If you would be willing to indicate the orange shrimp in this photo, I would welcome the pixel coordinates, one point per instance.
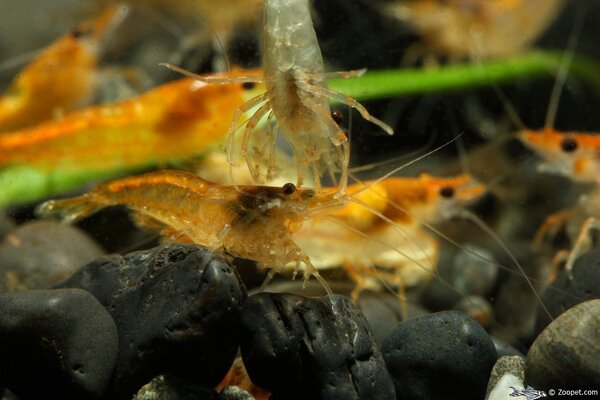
(383, 225)
(252, 222)
(173, 121)
(477, 29)
(296, 103)
(574, 155)
(62, 78)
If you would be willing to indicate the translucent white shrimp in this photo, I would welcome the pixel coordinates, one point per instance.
(297, 97)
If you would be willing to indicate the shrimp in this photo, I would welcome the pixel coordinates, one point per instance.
(296, 103)
(383, 225)
(174, 121)
(477, 29)
(252, 222)
(574, 155)
(62, 78)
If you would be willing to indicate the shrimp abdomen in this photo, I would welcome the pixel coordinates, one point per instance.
(289, 39)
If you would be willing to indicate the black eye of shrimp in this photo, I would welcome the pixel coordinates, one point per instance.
(447, 192)
(289, 188)
(80, 32)
(248, 85)
(337, 116)
(569, 145)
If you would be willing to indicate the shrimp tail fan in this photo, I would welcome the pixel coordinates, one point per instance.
(69, 210)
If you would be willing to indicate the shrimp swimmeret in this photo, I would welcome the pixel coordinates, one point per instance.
(296, 103)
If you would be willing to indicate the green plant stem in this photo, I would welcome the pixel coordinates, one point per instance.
(401, 82)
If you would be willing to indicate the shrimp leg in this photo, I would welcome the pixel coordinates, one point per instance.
(583, 243)
(213, 79)
(350, 102)
(271, 142)
(250, 125)
(255, 101)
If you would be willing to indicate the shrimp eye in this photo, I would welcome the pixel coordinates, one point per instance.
(248, 85)
(337, 116)
(76, 33)
(80, 32)
(447, 192)
(568, 145)
(289, 188)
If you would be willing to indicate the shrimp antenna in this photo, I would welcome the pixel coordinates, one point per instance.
(513, 115)
(221, 56)
(411, 154)
(172, 28)
(472, 217)
(460, 144)
(563, 70)
(401, 167)
(212, 78)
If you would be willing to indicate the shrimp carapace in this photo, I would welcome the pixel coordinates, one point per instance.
(296, 103)
(63, 77)
(477, 29)
(384, 224)
(252, 222)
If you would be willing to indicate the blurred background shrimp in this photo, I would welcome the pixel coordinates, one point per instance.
(63, 77)
(475, 29)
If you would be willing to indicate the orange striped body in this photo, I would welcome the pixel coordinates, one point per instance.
(176, 120)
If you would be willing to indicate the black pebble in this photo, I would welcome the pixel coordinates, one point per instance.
(59, 343)
(177, 310)
(567, 291)
(303, 348)
(446, 355)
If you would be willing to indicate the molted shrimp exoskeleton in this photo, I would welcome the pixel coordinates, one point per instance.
(296, 103)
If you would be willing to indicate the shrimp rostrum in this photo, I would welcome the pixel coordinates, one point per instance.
(296, 102)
